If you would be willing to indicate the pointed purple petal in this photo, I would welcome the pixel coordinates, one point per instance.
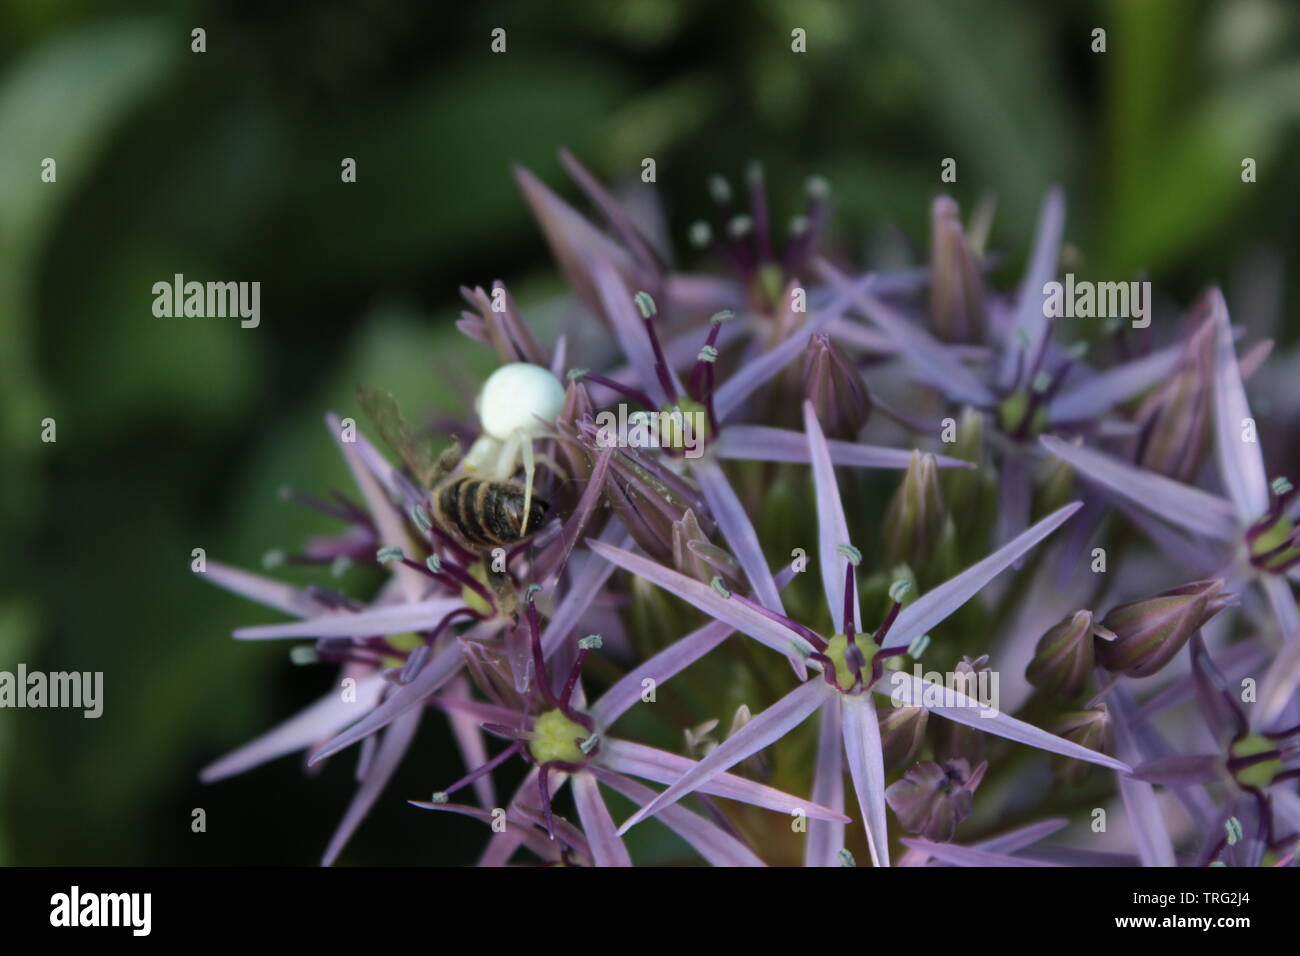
(907, 689)
(935, 605)
(832, 527)
(1030, 319)
(1163, 497)
(715, 844)
(954, 855)
(764, 443)
(1024, 836)
(933, 362)
(397, 738)
(670, 661)
(754, 374)
(305, 728)
(738, 531)
(389, 522)
(1241, 463)
(1146, 822)
(395, 619)
(763, 730)
(746, 620)
(660, 766)
(606, 847)
(1099, 394)
(263, 590)
(867, 768)
(826, 837)
(441, 668)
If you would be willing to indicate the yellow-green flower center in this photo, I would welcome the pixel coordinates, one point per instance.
(556, 737)
(837, 650)
(400, 642)
(684, 424)
(1261, 774)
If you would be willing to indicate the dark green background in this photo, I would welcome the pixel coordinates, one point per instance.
(175, 434)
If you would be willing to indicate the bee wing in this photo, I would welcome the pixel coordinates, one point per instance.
(385, 414)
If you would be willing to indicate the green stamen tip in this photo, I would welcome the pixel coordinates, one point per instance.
(531, 591)
(645, 304)
(899, 590)
(818, 187)
(1282, 486)
(433, 563)
(719, 587)
(439, 796)
(303, 654)
(389, 554)
(708, 354)
(919, 646)
(798, 225)
(421, 518)
(340, 565)
(853, 554)
(1232, 826)
(740, 226)
(1042, 382)
(800, 650)
(726, 315)
(588, 745)
(591, 642)
(577, 373)
(273, 559)
(701, 235)
(719, 189)
(846, 858)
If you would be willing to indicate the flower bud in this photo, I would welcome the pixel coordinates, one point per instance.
(1174, 420)
(958, 740)
(914, 520)
(1087, 728)
(836, 390)
(1064, 659)
(1148, 633)
(902, 731)
(696, 556)
(957, 311)
(932, 798)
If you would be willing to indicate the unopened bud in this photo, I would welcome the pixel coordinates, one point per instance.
(1174, 420)
(932, 798)
(902, 732)
(1151, 631)
(1064, 659)
(957, 311)
(914, 520)
(835, 389)
(1087, 728)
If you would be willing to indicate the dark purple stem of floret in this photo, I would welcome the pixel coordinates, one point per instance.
(661, 364)
(886, 624)
(488, 767)
(627, 391)
(808, 635)
(850, 595)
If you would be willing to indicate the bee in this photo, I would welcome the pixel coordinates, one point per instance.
(484, 513)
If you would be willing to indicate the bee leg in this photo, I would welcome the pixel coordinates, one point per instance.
(530, 469)
(447, 461)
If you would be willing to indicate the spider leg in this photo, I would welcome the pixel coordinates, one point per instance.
(530, 469)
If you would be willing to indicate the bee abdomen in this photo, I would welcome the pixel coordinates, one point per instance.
(487, 513)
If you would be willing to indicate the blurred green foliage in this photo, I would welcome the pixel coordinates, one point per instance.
(175, 434)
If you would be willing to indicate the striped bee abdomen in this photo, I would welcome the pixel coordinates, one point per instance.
(485, 513)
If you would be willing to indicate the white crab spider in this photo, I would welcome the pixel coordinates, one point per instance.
(516, 405)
